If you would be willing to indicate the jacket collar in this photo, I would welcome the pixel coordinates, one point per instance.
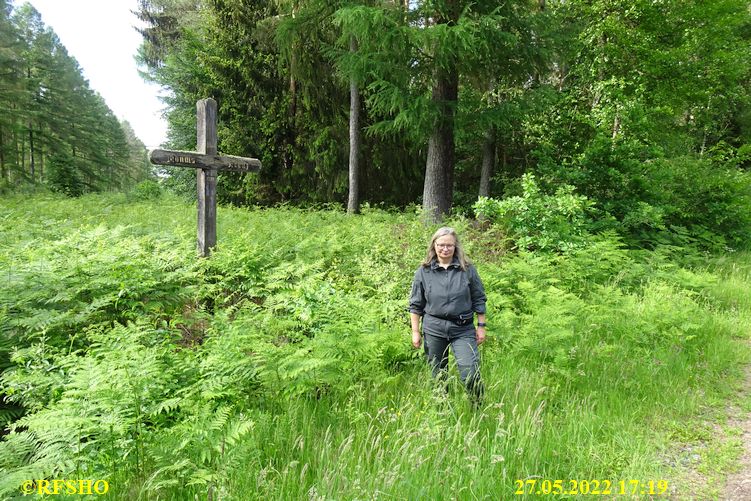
(454, 263)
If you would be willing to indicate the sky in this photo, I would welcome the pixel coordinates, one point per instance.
(100, 34)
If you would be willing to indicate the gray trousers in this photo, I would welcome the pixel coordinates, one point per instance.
(439, 335)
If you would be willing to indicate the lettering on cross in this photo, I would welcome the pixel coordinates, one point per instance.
(174, 159)
(207, 163)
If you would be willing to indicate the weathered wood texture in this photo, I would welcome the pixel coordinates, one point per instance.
(206, 134)
(199, 161)
(207, 163)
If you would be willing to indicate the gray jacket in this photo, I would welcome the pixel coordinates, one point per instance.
(446, 293)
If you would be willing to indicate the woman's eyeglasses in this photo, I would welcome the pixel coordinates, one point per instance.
(445, 246)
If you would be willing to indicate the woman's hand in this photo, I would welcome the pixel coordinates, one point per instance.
(480, 335)
(416, 339)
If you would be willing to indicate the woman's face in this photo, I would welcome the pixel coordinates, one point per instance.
(444, 247)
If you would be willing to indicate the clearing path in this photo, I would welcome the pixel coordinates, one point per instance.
(738, 487)
(703, 464)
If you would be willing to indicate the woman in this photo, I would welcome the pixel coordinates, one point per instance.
(446, 293)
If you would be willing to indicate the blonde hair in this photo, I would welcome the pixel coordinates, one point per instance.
(464, 262)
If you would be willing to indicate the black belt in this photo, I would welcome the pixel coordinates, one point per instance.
(462, 319)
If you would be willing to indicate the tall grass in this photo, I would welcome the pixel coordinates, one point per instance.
(280, 368)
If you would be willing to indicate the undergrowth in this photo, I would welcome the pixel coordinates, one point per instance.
(280, 368)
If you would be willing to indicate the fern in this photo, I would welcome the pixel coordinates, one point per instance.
(282, 365)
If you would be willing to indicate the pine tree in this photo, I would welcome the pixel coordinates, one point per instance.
(54, 128)
(11, 90)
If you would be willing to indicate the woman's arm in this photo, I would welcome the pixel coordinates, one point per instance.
(414, 318)
(477, 292)
(480, 330)
(416, 308)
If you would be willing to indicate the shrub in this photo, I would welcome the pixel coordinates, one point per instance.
(147, 190)
(652, 200)
(708, 201)
(539, 221)
(608, 172)
(64, 177)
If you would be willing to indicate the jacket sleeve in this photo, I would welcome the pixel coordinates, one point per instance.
(476, 291)
(417, 296)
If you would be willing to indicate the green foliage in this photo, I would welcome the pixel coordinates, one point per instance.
(611, 174)
(712, 202)
(653, 200)
(539, 221)
(147, 190)
(63, 176)
(548, 88)
(281, 365)
(96, 275)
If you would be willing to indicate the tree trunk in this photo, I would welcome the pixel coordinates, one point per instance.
(288, 156)
(353, 204)
(31, 153)
(17, 155)
(41, 162)
(293, 88)
(488, 162)
(438, 190)
(2, 155)
(22, 164)
(439, 169)
(293, 70)
(616, 125)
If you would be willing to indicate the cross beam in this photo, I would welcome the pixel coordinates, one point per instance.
(207, 163)
(198, 161)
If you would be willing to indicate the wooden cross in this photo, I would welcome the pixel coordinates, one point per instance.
(207, 163)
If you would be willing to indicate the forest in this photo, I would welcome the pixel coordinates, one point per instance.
(593, 155)
(438, 102)
(55, 131)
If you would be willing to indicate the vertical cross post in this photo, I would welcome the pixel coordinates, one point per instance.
(206, 180)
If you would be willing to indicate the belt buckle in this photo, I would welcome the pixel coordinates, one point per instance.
(462, 321)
